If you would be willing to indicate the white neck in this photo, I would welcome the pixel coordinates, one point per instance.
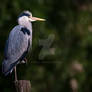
(25, 22)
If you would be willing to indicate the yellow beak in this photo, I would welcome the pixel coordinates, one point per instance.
(36, 19)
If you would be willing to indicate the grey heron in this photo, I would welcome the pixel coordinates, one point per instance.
(19, 42)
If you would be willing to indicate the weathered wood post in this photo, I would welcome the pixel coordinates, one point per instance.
(23, 86)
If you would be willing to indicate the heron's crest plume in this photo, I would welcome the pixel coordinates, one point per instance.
(25, 13)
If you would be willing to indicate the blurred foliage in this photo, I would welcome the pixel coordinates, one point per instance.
(69, 23)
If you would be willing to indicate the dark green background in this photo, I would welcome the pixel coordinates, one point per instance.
(70, 22)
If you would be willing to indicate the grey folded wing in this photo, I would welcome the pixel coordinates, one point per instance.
(16, 48)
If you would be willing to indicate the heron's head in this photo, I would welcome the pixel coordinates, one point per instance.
(26, 16)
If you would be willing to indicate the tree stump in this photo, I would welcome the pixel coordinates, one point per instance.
(23, 86)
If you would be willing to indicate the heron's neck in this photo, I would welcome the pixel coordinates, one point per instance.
(28, 25)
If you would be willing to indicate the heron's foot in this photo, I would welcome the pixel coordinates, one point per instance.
(24, 61)
(16, 81)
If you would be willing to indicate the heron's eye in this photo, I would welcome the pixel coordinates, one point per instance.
(28, 16)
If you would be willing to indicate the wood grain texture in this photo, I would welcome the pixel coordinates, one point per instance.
(23, 86)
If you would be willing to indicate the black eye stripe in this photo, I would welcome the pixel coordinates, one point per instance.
(24, 14)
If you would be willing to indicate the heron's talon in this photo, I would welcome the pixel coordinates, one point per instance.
(25, 60)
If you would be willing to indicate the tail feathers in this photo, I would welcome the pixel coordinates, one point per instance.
(7, 68)
(7, 72)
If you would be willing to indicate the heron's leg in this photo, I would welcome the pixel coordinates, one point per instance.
(15, 74)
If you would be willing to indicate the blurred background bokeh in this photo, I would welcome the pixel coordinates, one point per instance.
(65, 63)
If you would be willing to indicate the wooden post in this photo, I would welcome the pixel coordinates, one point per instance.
(23, 86)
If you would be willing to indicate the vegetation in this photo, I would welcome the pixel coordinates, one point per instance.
(65, 60)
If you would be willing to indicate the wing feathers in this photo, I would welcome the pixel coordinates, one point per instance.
(16, 48)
